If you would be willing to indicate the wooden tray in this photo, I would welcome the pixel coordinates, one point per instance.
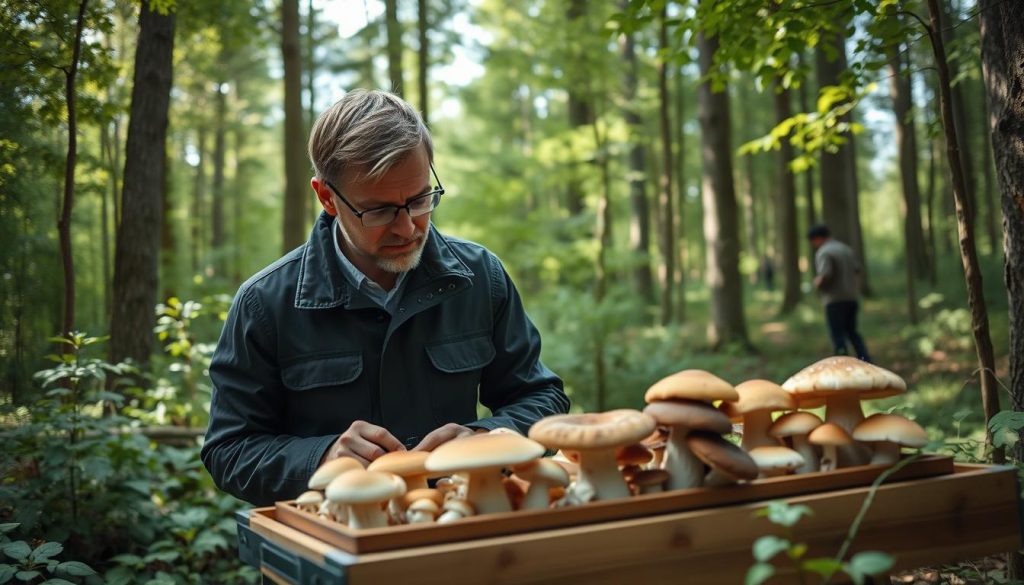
(488, 525)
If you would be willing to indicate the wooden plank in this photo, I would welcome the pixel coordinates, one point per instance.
(399, 537)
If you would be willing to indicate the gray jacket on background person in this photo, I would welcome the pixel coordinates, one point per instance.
(839, 268)
(303, 354)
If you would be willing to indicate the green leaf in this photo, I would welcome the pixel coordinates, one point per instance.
(870, 562)
(7, 573)
(758, 573)
(9, 526)
(27, 575)
(166, 556)
(56, 581)
(17, 550)
(46, 550)
(75, 569)
(127, 559)
(766, 547)
(783, 514)
(826, 567)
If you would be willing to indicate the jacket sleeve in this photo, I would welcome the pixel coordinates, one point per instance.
(517, 388)
(245, 450)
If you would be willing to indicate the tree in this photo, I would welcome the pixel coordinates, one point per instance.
(640, 222)
(666, 234)
(423, 58)
(394, 27)
(136, 256)
(296, 195)
(785, 209)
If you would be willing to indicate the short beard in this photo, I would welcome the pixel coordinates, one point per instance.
(403, 263)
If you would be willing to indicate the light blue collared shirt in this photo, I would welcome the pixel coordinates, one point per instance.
(387, 300)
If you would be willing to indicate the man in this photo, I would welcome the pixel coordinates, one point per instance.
(377, 334)
(837, 281)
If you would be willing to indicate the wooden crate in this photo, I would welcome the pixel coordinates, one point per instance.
(971, 512)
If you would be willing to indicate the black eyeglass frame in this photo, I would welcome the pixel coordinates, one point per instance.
(434, 193)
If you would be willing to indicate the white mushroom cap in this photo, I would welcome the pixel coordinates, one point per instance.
(774, 461)
(330, 470)
(455, 510)
(758, 400)
(309, 501)
(889, 432)
(830, 437)
(542, 474)
(409, 465)
(363, 491)
(691, 385)
(796, 426)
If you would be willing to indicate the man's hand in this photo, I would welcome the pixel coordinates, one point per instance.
(363, 442)
(443, 435)
(819, 281)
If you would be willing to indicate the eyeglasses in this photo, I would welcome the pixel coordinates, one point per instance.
(381, 216)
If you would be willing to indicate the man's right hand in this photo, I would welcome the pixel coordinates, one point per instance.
(363, 442)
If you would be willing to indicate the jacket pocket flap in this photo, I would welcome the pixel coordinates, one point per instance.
(463, 355)
(323, 371)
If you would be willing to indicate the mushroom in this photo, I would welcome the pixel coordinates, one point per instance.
(758, 400)
(406, 464)
(775, 460)
(683, 416)
(543, 474)
(795, 426)
(656, 442)
(481, 458)
(455, 510)
(323, 476)
(728, 462)
(363, 492)
(309, 501)
(887, 433)
(842, 382)
(515, 489)
(830, 437)
(595, 436)
(422, 511)
(650, 481)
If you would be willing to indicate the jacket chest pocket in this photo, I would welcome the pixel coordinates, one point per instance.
(326, 393)
(458, 366)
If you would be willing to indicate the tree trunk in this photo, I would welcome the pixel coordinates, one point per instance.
(811, 211)
(217, 241)
(136, 259)
(394, 46)
(105, 197)
(992, 212)
(785, 210)
(64, 223)
(906, 144)
(199, 203)
(295, 164)
(666, 235)
(1002, 52)
(956, 100)
(580, 112)
(728, 324)
(310, 69)
(680, 182)
(639, 225)
(423, 60)
(604, 244)
(965, 229)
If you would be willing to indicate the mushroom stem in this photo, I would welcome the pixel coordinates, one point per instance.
(368, 515)
(886, 453)
(843, 409)
(536, 496)
(485, 491)
(809, 453)
(685, 470)
(600, 471)
(755, 430)
(829, 458)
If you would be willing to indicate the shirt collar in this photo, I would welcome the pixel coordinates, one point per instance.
(358, 279)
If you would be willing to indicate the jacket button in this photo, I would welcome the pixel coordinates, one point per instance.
(451, 286)
(401, 309)
(430, 296)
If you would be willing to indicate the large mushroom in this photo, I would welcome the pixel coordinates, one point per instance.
(842, 382)
(323, 476)
(595, 436)
(795, 426)
(758, 400)
(363, 492)
(888, 433)
(728, 462)
(682, 417)
(481, 458)
(406, 464)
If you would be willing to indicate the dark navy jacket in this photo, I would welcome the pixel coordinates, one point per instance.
(303, 355)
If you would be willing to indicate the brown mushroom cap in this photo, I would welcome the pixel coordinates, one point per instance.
(829, 434)
(482, 451)
(776, 459)
(634, 454)
(330, 470)
(757, 396)
(891, 428)
(649, 477)
(423, 494)
(602, 430)
(794, 423)
(692, 414)
(401, 463)
(360, 486)
(691, 385)
(843, 374)
(719, 453)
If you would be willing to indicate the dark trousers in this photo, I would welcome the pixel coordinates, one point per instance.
(841, 317)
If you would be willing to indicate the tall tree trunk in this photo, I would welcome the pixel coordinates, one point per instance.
(948, 30)
(295, 163)
(666, 237)
(930, 213)
(218, 253)
(728, 324)
(965, 229)
(992, 211)
(810, 211)
(1002, 52)
(105, 197)
(680, 141)
(906, 144)
(639, 224)
(785, 209)
(423, 60)
(168, 275)
(199, 203)
(580, 110)
(136, 259)
(394, 46)
(310, 69)
(604, 244)
(64, 223)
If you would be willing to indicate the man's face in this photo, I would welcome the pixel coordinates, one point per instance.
(816, 242)
(392, 248)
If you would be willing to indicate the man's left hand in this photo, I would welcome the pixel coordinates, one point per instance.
(444, 434)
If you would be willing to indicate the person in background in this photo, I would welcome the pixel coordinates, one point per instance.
(379, 333)
(837, 281)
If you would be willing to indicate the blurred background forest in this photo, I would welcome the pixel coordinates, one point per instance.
(646, 171)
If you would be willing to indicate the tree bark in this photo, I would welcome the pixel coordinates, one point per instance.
(956, 100)
(785, 210)
(965, 229)
(217, 191)
(136, 259)
(640, 221)
(1002, 53)
(680, 182)
(423, 59)
(580, 111)
(394, 28)
(295, 164)
(666, 235)
(199, 203)
(811, 210)
(728, 324)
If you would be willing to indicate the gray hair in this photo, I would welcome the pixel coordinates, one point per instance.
(369, 131)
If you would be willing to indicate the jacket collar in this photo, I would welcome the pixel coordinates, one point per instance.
(321, 284)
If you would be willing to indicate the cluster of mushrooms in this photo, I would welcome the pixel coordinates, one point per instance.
(677, 442)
